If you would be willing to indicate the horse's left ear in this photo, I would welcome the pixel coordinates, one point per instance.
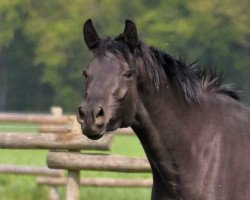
(129, 35)
(90, 35)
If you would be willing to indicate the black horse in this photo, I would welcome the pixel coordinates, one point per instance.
(194, 130)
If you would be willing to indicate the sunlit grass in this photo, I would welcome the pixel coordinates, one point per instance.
(18, 127)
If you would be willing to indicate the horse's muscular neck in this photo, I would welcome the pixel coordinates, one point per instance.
(155, 126)
(175, 136)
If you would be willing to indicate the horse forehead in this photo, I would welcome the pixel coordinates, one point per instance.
(108, 64)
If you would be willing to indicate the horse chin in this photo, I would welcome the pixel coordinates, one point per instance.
(96, 134)
(93, 134)
(95, 137)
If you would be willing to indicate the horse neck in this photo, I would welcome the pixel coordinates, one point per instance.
(161, 117)
(159, 124)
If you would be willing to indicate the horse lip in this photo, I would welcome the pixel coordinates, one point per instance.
(96, 136)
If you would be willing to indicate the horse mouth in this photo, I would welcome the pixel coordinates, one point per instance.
(96, 134)
(95, 137)
(93, 134)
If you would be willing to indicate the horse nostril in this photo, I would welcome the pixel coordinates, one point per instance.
(80, 115)
(98, 112)
(80, 111)
(98, 115)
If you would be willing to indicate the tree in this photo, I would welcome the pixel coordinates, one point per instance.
(44, 38)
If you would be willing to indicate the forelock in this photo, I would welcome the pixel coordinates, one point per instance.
(117, 48)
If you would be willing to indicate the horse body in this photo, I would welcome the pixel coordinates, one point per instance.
(198, 152)
(195, 132)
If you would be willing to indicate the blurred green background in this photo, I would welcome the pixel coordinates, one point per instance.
(42, 52)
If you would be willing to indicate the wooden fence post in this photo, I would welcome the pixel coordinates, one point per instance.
(73, 179)
(54, 193)
(56, 111)
(73, 184)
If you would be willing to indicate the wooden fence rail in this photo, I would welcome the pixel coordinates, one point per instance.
(33, 118)
(79, 161)
(28, 170)
(99, 182)
(53, 141)
(54, 128)
(125, 131)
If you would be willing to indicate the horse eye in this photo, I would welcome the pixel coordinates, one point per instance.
(84, 73)
(128, 73)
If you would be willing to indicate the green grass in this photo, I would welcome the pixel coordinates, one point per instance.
(17, 127)
(18, 187)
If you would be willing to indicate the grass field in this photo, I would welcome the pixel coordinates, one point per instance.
(17, 187)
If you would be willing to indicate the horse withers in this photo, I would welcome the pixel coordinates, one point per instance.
(194, 130)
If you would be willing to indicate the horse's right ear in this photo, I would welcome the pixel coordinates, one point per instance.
(91, 37)
(129, 36)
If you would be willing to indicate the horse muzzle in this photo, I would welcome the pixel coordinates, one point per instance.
(92, 123)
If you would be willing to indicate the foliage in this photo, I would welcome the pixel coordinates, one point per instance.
(216, 33)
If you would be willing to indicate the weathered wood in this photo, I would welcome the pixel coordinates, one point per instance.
(56, 111)
(33, 118)
(78, 161)
(73, 185)
(28, 170)
(54, 129)
(99, 182)
(124, 131)
(53, 141)
(54, 193)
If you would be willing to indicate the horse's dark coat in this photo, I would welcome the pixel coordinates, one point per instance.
(195, 132)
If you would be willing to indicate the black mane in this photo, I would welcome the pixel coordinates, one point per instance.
(188, 79)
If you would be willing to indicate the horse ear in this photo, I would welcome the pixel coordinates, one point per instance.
(129, 35)
(91, 37)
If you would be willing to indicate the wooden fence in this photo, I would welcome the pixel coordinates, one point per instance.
(97, 182)
(60, 132)
(28, 170)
